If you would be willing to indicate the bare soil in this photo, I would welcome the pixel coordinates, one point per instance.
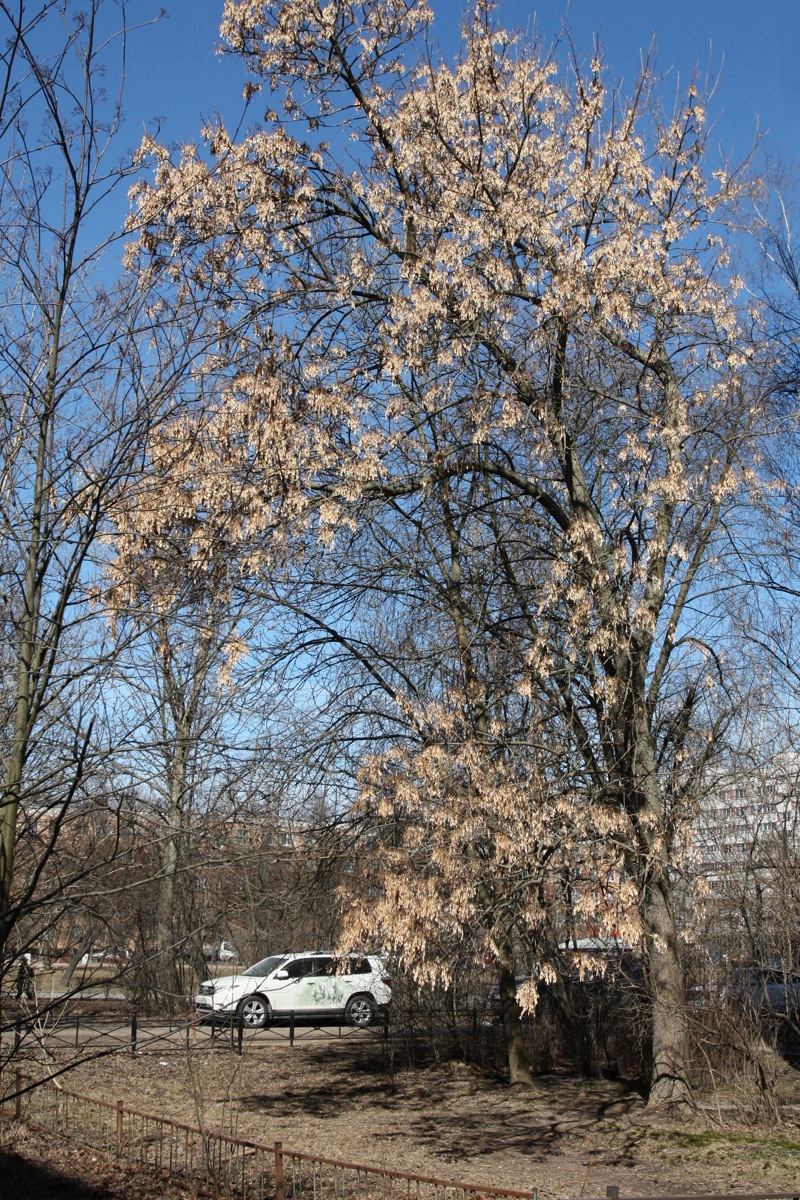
(563, 1137)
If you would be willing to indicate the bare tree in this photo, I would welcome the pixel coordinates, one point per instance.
(194, 740)
(81, 387)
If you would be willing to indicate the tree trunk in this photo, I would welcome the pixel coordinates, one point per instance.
(669, 1076)
(29, 665)
(167, 976)
(669, 1082)
(518, 1063)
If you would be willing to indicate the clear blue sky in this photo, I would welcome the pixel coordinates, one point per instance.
(752, 48)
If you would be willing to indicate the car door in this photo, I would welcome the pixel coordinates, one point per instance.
(286, 992)
(319, 991)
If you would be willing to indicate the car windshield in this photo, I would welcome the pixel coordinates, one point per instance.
(266, 966)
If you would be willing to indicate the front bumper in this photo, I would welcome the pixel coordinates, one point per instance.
(212, 1006)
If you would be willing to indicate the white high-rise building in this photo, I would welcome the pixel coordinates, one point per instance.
(745, 815)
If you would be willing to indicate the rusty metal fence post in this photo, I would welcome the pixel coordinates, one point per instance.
(120, 1126)
(18, 1097)
(280, 1191)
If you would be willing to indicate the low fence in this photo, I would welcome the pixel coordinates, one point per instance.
(134, 1034)
(227, 1165)
(245, 1170)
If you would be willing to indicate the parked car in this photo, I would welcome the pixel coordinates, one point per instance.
(111, 956)
(116, 956)
(767, 989)
(311, 983)
(219, 952)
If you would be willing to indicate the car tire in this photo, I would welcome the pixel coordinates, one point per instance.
(360, 1011)
(253, 1012)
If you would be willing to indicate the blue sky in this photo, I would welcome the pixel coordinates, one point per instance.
(753, 49)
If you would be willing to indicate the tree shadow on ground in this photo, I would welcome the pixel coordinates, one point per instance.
(322, 1102)
(527, 1122)
(553, 1116)
(33, 1166)
(26, 1180)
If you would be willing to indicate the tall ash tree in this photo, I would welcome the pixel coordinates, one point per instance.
(80, 389)
(495, 290)
(470, 831)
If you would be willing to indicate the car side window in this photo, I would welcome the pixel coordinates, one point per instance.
(359, 966)
(344, 966)
(324, 966)
(299, 968)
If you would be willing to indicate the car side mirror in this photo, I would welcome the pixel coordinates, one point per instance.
(281, 975)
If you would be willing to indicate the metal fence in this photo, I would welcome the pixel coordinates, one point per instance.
(228, 1165)
(135, 1034)
(241, 1169)
(310, 1177)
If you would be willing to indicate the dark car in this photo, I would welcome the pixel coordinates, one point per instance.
(771, 988)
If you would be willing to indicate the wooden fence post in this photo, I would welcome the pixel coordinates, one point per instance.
(120, 1126)
(280, 1191)
(18, 1098)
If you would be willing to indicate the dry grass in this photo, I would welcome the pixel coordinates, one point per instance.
(563, 1137)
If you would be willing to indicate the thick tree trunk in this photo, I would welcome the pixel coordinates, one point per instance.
(166, 974)
(518, 1063)
(29, 664)
(669, 1079)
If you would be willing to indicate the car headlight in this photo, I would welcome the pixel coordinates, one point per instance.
(207, 989)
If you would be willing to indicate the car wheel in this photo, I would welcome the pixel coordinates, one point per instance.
(360, 1010)
(253, 1012)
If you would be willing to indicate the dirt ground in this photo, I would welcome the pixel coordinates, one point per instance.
(563, 1137)
(33, 1167)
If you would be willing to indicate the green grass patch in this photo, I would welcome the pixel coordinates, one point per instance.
(768, 1150)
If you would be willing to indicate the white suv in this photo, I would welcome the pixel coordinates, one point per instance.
(313, 983)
